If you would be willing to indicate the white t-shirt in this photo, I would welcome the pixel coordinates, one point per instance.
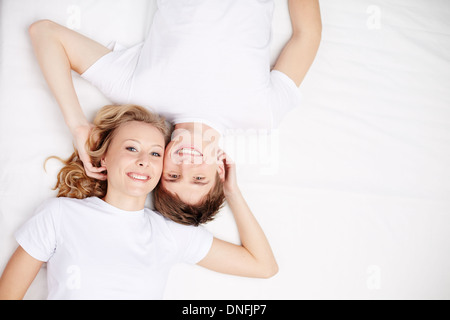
(203, 61)
(96, 251)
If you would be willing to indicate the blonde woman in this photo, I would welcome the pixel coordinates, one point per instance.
(205, 66)
(100, 242)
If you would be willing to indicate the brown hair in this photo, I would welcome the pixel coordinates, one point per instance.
(72, 179)
(172, 207)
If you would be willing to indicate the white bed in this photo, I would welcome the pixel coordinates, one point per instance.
(355, 196)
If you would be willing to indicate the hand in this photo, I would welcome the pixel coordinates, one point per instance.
(230, 186)
(81, 135)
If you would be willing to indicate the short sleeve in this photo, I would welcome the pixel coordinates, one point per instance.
(38, 236)
(284, 96)
(193, 243)
(112, 74)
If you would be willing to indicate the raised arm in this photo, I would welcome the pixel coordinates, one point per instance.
(299, 53)
(254, 257)
(60, 50)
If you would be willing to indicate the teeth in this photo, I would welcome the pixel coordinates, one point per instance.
(138, 177)
(189, 151)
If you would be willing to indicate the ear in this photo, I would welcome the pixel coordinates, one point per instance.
(103, 162)
(221, 166)
(221, 172)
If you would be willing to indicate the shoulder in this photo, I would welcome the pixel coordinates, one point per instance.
(73, 203)
(192, 242)
(56, 206)
(284, 96)
(281, 79)
(51, 205)
(51, 202)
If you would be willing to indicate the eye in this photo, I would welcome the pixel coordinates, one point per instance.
(132, 149)
(199, 178)
(156, 154)
(174, 176)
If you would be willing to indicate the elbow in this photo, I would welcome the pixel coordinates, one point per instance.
(40, 27)
(312, 31)
(269, 271)
(311, 36)
(317, 29)
(318, 33)
(273, 271)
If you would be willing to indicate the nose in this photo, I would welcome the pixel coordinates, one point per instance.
(143, 161)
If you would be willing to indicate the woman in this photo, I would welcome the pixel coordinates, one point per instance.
(103, 244)
(205, 66)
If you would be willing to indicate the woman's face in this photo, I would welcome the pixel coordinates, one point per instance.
(134, 161)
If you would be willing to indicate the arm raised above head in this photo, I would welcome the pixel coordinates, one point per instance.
(300, 51)
(60, 50)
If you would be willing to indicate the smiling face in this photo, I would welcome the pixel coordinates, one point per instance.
(134, 162)
(190, 163)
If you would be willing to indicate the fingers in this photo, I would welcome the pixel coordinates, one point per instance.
(81, 135)
(98, 176)
(91, 168)
(230, 186)
(223, 156)
(230, 165)
(95, 173)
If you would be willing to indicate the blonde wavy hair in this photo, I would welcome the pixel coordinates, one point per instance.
(72, 181)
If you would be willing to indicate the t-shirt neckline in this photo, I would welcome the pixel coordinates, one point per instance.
(110, 208)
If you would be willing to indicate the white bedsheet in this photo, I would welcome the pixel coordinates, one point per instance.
(355, 195)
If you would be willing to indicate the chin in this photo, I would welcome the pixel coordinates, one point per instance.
(140, 193)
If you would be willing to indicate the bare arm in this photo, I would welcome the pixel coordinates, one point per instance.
(299, 53)
(254, 257)
(60, 50)
(18, 275)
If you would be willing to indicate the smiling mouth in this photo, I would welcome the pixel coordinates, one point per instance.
(188, 152)
(138, 177)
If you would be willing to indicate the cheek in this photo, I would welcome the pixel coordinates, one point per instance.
(119, 163)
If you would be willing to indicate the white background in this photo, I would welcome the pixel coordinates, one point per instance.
(355, 197)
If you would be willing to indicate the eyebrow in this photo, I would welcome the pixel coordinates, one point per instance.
(200, 183)
(137, 141)
(193, 182)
